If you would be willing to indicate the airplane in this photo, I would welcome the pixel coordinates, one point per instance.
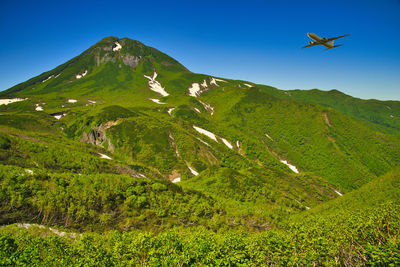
(327, 42)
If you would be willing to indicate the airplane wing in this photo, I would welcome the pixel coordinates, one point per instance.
(334, 38)
(309, 45)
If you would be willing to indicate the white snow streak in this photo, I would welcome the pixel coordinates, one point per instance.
(198, 111)
(205, 132)
(204, 84)
(117, 47)
(292, 167)
(92, 101)
(193, 171)
(155, 85)
(170, 111)
(72, 100)
(176, 180)
(207, 107)
(9, 101)
(157, 101)
(248, 85)
(237, 144)
(48, 78)
(204, 142)
(81, 75)
(226, 142)
(337, 192)
(269, 136)
(104, 156)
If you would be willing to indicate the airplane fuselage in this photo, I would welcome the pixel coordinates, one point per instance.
(318, 40)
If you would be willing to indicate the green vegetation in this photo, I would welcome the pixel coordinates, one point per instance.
(132, 182)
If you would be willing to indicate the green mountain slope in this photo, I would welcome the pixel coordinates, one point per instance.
(381, 113)
(124, 137)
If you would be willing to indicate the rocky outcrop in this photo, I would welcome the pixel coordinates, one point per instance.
(130, 60)
(97, 136)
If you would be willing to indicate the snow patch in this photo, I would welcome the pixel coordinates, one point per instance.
(117, 47)
(104, 156)
(92, 101)
(194, 90)
(292, 167)
(155, 85)
(215, 80)
(207, 107)
(205, 132)
(176, 180)
(59, 116)
(269, 137)
(9, 101)
(226, 142)
(204, 84)
(157, 101)
(81, 75)
(48, 78)
(193, 171)
(237, 144)
(204, 142)
(198, 111)
(248, 85)
(72, 100)
(170, 111)
(337, 192)
(38, 108)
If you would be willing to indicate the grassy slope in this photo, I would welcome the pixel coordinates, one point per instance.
(244, 186)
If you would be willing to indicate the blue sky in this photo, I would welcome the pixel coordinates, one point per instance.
(252, 40)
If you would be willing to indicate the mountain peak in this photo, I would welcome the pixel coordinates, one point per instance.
(111, 56)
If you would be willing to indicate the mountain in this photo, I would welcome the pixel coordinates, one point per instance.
(123, 137)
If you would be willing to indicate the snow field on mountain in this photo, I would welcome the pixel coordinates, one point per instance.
(11, 100)
(117, 47)
(38, 107)
(176, 180)
(157, 101)
(207, 107)
(226, 142)
(170, 111)
(194, 90)
(205, 132)
(81, 75)
(292, 167)
(155, 85)
(48, 78)
(212, 136)
(193, 171)
(59, 116)
(104, 156)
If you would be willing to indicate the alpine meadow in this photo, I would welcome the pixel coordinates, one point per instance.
(123, 157)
